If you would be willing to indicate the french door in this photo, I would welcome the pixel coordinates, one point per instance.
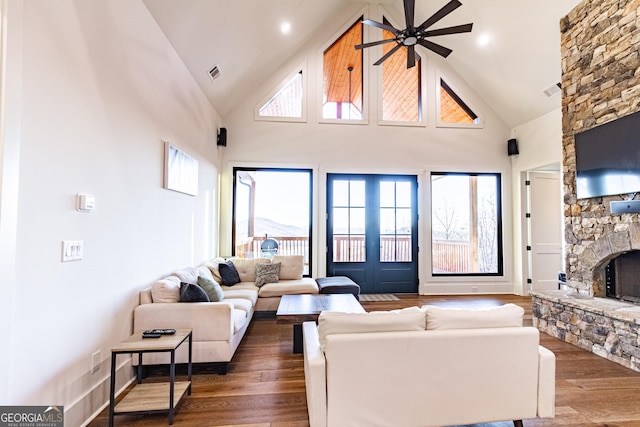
(372, 230)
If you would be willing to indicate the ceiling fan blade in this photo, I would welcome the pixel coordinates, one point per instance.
(382, 26)
(440, 50)
(446, 9)
(388, 54)
(466, 28)
(379, 42)
(411, 56)
(409, 12)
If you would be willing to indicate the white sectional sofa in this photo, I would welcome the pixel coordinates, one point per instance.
(426, 367)
(218, 327)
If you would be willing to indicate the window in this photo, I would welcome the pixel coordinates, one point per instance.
(401, 86)
(274, 204)
(342, 76)
(453, 110)
(466, 224)
(286, 102)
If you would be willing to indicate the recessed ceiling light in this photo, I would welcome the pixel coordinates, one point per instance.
(285, 27)
(484, 39)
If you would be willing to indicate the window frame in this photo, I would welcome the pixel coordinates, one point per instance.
(302, 69)
(310, 171)
(440, 124)
(422, 65)
(500, 250)
(363, 13)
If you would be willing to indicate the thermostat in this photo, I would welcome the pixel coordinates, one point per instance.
(86, 202)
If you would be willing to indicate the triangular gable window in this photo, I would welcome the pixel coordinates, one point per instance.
(453, 110)
(286, 103)
(342, 77)
(401, 86)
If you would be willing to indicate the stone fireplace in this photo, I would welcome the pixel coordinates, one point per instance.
(600, 83)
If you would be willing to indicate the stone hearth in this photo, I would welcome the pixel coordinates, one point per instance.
(604, 326)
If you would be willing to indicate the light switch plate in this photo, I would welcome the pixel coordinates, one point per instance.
(72, 250)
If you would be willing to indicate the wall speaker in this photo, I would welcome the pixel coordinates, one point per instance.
(512, 147)
(222, 137)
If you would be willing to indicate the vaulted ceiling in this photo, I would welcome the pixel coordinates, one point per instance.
(519, 60)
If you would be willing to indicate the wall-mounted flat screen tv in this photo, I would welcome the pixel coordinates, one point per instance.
(608, 158)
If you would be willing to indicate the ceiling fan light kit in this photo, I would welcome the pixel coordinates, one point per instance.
(413, 35)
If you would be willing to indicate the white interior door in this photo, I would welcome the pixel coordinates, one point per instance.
(545, 230)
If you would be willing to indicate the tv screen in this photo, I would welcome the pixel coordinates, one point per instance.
(608, 158)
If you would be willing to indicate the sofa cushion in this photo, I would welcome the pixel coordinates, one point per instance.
(267, 273)
(246, 267)
(241, 291)
(406, 319)
(228, 273)
(241, 304)
(239, 319)
(192, 293)
(213, 265)
(505, 316)
(291, 266)
(212, 289)
(187, 275)
(204, 271)
(166, 290)
(289, 287)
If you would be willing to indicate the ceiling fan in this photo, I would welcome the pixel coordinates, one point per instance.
(413, 35)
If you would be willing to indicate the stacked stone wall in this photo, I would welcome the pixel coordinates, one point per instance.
(600, 43)
(597, 332)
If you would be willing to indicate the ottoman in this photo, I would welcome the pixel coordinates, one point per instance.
(338, 285)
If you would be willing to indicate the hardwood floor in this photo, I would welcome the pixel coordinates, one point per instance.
(265, 383)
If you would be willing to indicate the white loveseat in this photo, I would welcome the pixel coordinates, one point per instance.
(218, 327)
(426, 367)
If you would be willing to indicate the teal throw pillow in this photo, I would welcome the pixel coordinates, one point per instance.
(212, 288)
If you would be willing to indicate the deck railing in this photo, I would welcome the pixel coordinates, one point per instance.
(449, 256)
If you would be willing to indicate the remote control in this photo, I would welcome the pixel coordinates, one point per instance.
(149, 335)
(160, 331)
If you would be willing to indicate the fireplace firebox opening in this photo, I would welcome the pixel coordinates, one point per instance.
(622, 277)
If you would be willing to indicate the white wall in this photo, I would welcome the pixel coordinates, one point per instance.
(100, 89)
(540, 145)
(369, 148)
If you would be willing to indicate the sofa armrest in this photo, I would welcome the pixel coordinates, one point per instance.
(315, 376)
(546, 383)
(209, 321)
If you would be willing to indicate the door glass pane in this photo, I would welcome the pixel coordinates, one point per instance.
(403, 194)
(356, 193)
(395, 221)
(465, 224)
(349, 221)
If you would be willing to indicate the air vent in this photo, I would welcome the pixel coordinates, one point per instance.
(553, 90)
(214, 73)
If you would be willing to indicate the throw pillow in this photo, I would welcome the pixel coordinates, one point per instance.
(228, 273)
(267, 273)
(212, 288)
(192, 293)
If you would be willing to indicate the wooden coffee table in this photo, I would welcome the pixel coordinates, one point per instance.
(296, 309)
